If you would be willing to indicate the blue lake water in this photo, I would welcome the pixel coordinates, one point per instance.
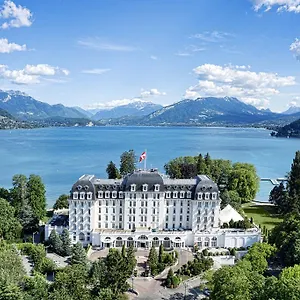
(61, 155)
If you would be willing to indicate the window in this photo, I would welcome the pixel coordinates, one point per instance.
(206, 242)
(175, 194)
(74, 211)
(99, 210)
(89, 211)
(174, 211)
(188, 194)
(206, 196)
(167, 210)
(180, 218)
(89, 219)
(206, 204)
(168, 195)
(154, 196)
(158, 196)
(154, 203)
(153, 219)
(74, 227)
(100, 194)
(199, 196)
(99, 217)
(213, 204)
(166, 225)
(106, 203)
(75, 220)
(173, 218)
(106, 210)
(121, 203)
(206, 212)
(80, 227)
(168, 203)
(214, 242)
(114, 195)
(81, 219)
(145, 187)
(82, 196)
(106, 225)
(133, 188)
(106, 218)
(82, 204)
(167, 218)
(120, 210)
(199, 212)
(89, 204)
(153, 211)
(88, 227)
(113, 218)
(89, 195)
(199, 204)
(120, 225)
(107, 194)
(75, 195)
(120, 218)
(181, 194)
(130, 203)
(142, 202)
(129, 218)
(156, 187)
(205, 219)
(114, 210)
(212, 219)
(187, 218)
(198, 219)
(181, 210)
(214, 196)
(120, 196)
(74, 237)
(180, 225)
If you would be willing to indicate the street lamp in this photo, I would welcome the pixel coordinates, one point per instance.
(132, 278)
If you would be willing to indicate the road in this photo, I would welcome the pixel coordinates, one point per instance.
(60, 261)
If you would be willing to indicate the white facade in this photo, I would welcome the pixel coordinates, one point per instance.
(144, 208)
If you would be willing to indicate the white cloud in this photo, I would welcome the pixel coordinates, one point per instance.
(141, 98)
(6, 47)
(183, 54)
(212, 36)
(237, 81)
(281, 5)
(17, 16)
(96, 71)
(295, 48)
(31, 74)
(98, 44)
(153, 57)
(151, 92)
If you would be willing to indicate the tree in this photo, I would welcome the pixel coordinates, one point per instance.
(61, 202)
(201, 165)
(153, 261)
(230, 283)
(55, 242)
(66, 243)
(28, 219)
(289, 283)
(112, 171)
(279, 197)
(123, 251)
(160, 253)
(130, 260)
(127, 162)
(4, 194)
(18, 192)
(36, 195)
(78, 255)
(70, 283)
(36, 288)
(11, 292)
(10, 227)
(286, 237)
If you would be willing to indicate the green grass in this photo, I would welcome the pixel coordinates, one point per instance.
(263, 215)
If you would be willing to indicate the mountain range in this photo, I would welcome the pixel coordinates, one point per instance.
(138, 108)
(292, 110)
(206, 111)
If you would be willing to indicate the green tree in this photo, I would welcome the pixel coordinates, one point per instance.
(78, 255)
(55, 242)
(201, 165)
(153, 261)
(36, 288)
(230, 283)
(11, 292)
(10, 227)
(4, 194)
(279, 197)
(61, 202)
(289, 283)
(71, 283)
(112, 171)
(286, 237)
(27, 218)
(36, 195)
(123, 251)
(130, 260)
(66, 243)
(127, 162)
(19, 192)
(160, 253)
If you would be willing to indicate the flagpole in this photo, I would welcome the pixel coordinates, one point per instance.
(145, 160)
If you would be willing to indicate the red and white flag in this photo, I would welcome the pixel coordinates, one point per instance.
(143, 156)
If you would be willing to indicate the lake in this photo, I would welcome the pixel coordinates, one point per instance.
(61, 155)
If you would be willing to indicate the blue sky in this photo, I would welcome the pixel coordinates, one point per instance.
(106, 52)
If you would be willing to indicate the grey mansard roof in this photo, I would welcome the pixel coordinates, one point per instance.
(201, 183)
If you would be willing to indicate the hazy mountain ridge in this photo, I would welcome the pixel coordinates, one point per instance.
(139, 108)
(24, 107)
(292, 110)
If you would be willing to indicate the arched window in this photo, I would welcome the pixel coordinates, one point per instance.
(119, 241)
(155, 242)
(167, 242)
(81, 236)
(143, 237)
(177, 238)
(206, 242)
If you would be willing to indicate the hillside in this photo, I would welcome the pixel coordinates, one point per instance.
(139, 108)
(290, 130)
(24, 107)
(7, 121)
(208, 111)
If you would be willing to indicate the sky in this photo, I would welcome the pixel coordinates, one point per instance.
(103, 53)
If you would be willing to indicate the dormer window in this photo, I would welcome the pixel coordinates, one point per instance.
(114, 194)
(199, 196)
(214, 196)
(82, 195)
(181, 194)
(156, 187)
(133, 188)
(107, 193)
(175, 194)
(145, 187)
(89, 195)
(75, 195)
(100, 194)
(79, 187)
(168, 195)
(206, 196)
(86, 187)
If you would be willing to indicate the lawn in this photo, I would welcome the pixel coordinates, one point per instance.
(262, 214)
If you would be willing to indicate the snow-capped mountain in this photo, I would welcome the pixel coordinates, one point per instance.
(23, 106)
(137, 108)
(292, 110)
